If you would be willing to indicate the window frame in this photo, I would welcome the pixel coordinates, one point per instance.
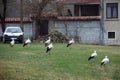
(81, 10)
(111, 6)
(111, 37)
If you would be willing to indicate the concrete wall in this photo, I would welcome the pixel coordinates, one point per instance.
(66, 7)
(86, 31)
(112, 25)
(27, 29)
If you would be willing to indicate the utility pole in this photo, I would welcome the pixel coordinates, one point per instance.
(102, 22)
(21, 14)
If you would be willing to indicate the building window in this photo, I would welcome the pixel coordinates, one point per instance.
(90, 10)
(111, 35)
(111, 10)
(86, 10)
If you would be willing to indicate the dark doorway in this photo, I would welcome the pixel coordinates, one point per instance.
(43, 27)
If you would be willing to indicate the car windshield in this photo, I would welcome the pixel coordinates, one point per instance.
(13, 30)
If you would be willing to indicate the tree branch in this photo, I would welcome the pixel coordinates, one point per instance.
(42, 6)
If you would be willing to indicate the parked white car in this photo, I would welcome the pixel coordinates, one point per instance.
(13, 32)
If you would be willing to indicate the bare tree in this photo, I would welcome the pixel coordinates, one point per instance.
(77, 31)
(41, 9)
(3, 14)
(35, 7)
(38, 7)
(76, 34)
(66, 28)
(42, 6)
(21, 14)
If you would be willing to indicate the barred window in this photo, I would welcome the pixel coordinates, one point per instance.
(111, 35)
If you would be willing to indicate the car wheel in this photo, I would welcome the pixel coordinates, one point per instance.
(21, 41)
(4, 40)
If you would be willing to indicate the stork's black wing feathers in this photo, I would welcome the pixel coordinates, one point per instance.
(68, 44)
(48, 49)
(91, 57)
(102, 63)
(25, 44)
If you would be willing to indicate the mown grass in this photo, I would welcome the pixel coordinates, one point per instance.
(62, 63)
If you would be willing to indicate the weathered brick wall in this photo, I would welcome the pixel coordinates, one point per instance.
(86, 31)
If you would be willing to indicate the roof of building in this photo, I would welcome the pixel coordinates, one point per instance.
(79, 18)
(25, 19)
(78, 1)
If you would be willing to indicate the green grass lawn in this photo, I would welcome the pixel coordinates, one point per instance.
(62, 63)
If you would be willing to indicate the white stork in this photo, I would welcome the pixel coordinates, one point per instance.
(105, 61)
(12, 42)
(70, 42)
(93, 55)
(49, 47)
(47, 41)
(28, 41)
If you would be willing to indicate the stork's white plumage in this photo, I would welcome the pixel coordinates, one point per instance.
(28, 41)
(70, 42)
(12, 42)
(93, 55)
(105, 61)
(49, 47)
(48, 41)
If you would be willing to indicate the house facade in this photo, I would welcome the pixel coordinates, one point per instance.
(80, 19)
(88, 21)
(112, 22)
(91, 21)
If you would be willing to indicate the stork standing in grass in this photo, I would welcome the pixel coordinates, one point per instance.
(70, 42)
(105, 61)
(49, 47)
(28, 41)
(93, 55)
(47, 42)
(12, 42)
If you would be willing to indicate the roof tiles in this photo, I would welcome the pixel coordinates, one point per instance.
(17, 19)
(79, 18)
(78, 1)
